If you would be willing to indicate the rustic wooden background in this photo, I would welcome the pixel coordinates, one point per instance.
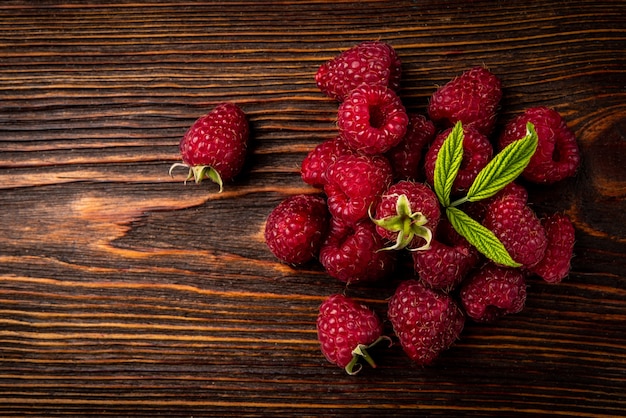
(124, 292)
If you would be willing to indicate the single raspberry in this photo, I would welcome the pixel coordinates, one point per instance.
(407, 214)
(518, 228)
(316, 162)
(555, 265)
(425, 320)
(354, 183)
(493, 291)
(448, 260)
(351, 253)
(215, 145)
(477, 152)
(514, 190)
(406, 157)
(346, 329)
(472, 98)
(371, 62)
(296, 228)
(477, 210)
(372, 119)
(557, 156)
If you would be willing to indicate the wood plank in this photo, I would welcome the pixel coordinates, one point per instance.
(124, 292)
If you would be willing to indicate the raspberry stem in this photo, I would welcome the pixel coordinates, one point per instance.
(459, 201)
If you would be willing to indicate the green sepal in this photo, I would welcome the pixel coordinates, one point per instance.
(360, 351)
(199, 173)
(407, 224)
(480, 237)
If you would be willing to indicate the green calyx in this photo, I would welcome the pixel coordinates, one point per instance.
(199, 173)
(359, 352)
(407, 224)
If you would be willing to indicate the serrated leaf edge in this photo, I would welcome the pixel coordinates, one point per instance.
(448, 163)
(480, 237)
(505, 167)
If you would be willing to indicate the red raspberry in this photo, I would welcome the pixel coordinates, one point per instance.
(354, 183)
(426, 321)
(472, 98)
(372, 119)
(412, 226)
(519, 229)
(514, 190)
(555, 265)
(405, 157)
(317, 161)
(351, 253)
(346, 329)
(557, 156)
(448, 260)
(493, 291)
(478, 209)
(374, 63)
(295, 229)
(214, 146)
(477, 152)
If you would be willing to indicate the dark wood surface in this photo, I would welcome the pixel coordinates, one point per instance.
(124, 292)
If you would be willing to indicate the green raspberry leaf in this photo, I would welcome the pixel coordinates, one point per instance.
(480, 237)
(504, 167)
(448, 163)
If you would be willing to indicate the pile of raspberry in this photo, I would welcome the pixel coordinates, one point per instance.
(376, 205)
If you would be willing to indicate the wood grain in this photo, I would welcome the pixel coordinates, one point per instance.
(124, 292)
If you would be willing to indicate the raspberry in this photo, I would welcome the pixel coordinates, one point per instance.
(448, 260)
(411, 226)
(405, 157)
(472, 98)
(351, 253)
(426, 321)
(374, 63)
(557, 156)
(354, 183)
(316, 162)
(555, 265)
(458, 274)
(345, 330)
(519, 229)
(215, 145)
(492, 292)
(372, 119)
(478, 209)
(295, 229)
(477, 152)
(515, 190)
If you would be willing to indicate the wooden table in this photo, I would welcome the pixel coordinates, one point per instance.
(124, 292)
